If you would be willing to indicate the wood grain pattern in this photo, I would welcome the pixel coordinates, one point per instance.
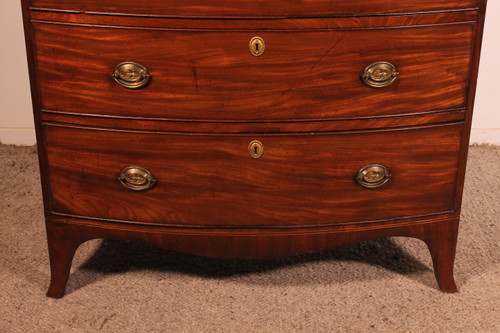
(213, 76)
(166, 125)
(255, 8)
(211, 180)
(209, 97)
(470, 102)
(65, 235)
(345, 22)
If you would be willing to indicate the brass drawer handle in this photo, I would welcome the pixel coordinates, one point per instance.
(131, 75)
(373, 176)
(136, 178)
(380, 74)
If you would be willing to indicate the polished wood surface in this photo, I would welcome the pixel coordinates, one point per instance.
(209, 97)
(440, 235)
(211, 180)
(316, 23)
(255, 8)
(257, 126)
(213, 76)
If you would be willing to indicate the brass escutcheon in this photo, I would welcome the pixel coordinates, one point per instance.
(136, 178)
(380, 74)
(256, 149)
(131, 75)
(257, 46)
(373, 176)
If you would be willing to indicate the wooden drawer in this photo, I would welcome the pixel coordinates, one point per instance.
(212, 75)
(211, 180)
(256, 8)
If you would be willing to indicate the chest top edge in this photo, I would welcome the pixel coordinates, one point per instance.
(266, 9)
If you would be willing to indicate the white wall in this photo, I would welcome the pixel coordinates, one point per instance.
(16, 120)
(486, 118)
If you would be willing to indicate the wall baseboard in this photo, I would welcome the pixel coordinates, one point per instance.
(18, 136)
(485, 135)
(26, 136)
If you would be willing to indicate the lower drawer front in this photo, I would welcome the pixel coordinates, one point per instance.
(211, 180)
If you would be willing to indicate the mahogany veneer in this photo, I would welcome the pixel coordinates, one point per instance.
(302, 179)
(341, 162)
(303, 74)
(254, 8)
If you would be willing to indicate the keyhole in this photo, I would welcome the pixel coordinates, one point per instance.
(255, 149)
(257, 46)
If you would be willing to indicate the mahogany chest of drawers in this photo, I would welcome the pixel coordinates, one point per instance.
(252, 129)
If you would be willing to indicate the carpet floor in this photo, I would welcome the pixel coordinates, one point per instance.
(384, 285)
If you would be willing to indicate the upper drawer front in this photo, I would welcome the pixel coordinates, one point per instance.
(213, 76)
(255, 8)
(213, 180)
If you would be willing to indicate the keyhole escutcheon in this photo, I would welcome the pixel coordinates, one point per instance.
(256, 149)
(257, 46)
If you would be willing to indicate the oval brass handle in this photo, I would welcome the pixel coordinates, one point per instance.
(131, 75)
(373, 176)
(380, 74)
(136, 178)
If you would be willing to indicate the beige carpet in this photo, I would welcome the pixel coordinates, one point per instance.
(376, 286)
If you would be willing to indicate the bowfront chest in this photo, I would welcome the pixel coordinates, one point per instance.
(252, 129)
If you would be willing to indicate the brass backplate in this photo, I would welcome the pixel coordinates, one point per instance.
(373, 176)
(131, 75)
(136, 178)
(380, 74)
(257, 46)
